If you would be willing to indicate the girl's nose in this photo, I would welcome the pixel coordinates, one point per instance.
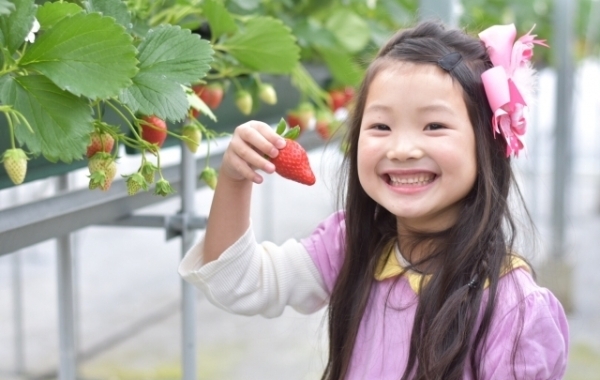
(404, 148)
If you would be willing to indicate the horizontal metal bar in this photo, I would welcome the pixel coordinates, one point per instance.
(34, 222)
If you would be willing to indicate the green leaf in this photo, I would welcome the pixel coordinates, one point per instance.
(264, 45)
(169, 57)
(85, 54)
(116, 9)
(281, 127)
(350, 30)
(151, 95)
(175, 54)
(219, 19)
(293, 133)
(6, 7)
(16, 26)
(51, 13)
(343, 69)
(61, 121)
(195, 102)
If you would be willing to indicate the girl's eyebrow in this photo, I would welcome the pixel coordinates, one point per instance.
(378, 107)
(436, 107)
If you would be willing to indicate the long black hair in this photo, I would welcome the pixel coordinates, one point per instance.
(447, 338)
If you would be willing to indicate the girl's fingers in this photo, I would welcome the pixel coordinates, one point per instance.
(252, 157)
(245, 170)
(262, 137)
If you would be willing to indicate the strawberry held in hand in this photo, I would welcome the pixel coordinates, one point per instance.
(292, 161)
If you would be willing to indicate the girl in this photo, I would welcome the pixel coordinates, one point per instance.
(418, 269)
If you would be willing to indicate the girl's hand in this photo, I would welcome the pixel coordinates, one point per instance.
(251, 145)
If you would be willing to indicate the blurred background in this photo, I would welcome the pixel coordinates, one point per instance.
(88, 281)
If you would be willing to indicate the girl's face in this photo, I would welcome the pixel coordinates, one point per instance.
(416, 148)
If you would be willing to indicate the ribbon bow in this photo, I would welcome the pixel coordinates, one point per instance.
(506, 83)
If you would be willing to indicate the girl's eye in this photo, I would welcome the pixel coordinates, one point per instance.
(434, 127)
(381, 127)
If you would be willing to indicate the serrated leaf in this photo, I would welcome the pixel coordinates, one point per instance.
(51, 13)
(264, 45)
(195, 102)
(85, 54)
(61, 121)
(169, 57)
(175, 54)
(351, 30)
(16, 25)
(6, 7)
(343, 69)
(152, 95)
(219, 19)
(116, 9)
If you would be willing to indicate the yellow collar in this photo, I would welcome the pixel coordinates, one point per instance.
(389, 266)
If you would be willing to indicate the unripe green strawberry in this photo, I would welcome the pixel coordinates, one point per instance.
(209, 176)
(163, 188)
(135, 183)
(267, 93)
(192, 133)
(243, 101)
(147, 170)
(15, 163)
(99, 142)
(102, 171)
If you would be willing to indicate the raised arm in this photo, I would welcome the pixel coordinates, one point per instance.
(229, 215)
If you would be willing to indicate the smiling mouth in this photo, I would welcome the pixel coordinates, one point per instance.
(410, 180)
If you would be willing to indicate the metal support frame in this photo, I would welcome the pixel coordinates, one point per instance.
(69, 211)
(563, 48)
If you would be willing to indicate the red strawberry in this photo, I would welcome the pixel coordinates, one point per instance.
(102, 171)
(194, 135)
(301, 116)
(243, 101)
(337, 99)
(15, 163)
(99, 142)
(292, 163)
(324, 124)
(211, 94)
(267, 94)
(349, 92)
(154, 130)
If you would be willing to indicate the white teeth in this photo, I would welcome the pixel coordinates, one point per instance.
(419, 180)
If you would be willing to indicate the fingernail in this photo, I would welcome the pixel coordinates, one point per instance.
(280, 143)
(269, 167)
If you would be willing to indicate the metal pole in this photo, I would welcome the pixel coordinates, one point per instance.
(188, 293)
(18, 313)
(563, 42)
(67, 369)
(438, 9)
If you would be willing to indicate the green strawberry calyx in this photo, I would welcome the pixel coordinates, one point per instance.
(284, 131)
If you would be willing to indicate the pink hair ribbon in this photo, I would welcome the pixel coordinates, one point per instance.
(509, 81)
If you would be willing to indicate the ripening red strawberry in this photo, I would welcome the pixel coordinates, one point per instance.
(292, 163)
(103, 169)
(154, 130)
(349, 92)
(100, 142)
(243, 101)
(337, 99)
(211, 94)
(323, 125)
(15, 163)
(194, 135)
